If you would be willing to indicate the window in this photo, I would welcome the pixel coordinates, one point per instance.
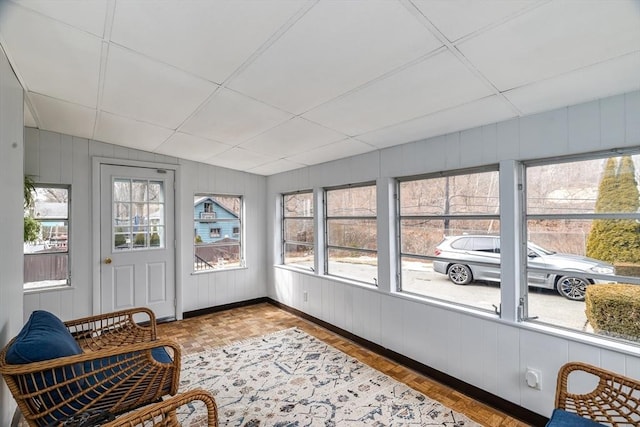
(297, 230)
(46, 235)
(351, 233)
(138, 214)
(583, 231)
(218, 236)
(449, 237)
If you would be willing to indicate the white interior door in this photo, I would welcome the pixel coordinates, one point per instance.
(137, 239)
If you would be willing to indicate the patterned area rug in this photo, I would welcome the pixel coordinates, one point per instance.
(290, 378)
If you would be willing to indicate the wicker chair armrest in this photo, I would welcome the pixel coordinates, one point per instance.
(68, 361)
(113, 329)
(164, 413)
(615, 399)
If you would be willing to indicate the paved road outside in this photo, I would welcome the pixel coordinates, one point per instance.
(420, 279)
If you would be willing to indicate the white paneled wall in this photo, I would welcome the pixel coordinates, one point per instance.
(53, 158)
(206, 290)
(473, 347)
(11, 166)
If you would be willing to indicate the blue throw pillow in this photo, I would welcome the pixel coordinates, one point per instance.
(43, 337)
(562, 418)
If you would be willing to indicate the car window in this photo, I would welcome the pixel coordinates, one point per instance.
(464, 243)
(484, 244)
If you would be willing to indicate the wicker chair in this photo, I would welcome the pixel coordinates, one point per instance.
(121, 366)
(614, 401)
(161, 414)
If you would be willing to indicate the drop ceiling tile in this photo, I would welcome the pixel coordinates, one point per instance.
(579, 86)
(435, 84)
(346, 148)
(292, 137)
(129, 133)
(554, 38)
(51, 58)
(87, 15)
(233, 118)
(456, 19)
(333, 48)
(487, 110)
(210, 39)
(190, 147)
(239, 158)
(274, 167)
(147, 90)
(29, 121)
(63, 117)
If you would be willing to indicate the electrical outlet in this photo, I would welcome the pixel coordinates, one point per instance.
(533, 377)
(305, 296)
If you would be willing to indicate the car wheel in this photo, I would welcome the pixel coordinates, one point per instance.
(572, 287)
(460, 274)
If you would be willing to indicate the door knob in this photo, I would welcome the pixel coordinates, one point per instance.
(107, 260)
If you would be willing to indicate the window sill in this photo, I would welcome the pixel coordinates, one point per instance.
(43, 289)
(217, 270)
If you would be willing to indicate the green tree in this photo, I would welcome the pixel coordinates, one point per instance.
(616, 240)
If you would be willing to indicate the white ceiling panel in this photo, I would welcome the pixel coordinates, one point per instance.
(335, 47)
(337, 150)
(584, 85)
(292, 137)
(233, 118)
(87, 15)
(239, 158)
(554, 38)
(51, 58)
(190, 147)
(488, 110)
(64, 117)
(456, 19)
(281, 83)
(130, 133)
(143, 89)
(208, 38)
(407, 94)
(276, 166)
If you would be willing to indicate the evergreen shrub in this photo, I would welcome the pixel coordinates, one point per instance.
(614, 309)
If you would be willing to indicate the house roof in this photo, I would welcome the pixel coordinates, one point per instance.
(267, 86)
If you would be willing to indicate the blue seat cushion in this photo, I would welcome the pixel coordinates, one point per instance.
(562, 418)
(43, 337)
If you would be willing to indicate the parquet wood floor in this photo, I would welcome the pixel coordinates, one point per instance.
(221, 328)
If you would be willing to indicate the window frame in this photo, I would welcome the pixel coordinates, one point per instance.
(591, 216)
(215, 218)
(35, 287)
(283, 226)
(327, 247)
(438, 217)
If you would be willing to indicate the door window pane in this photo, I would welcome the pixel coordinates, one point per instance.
(138, 214)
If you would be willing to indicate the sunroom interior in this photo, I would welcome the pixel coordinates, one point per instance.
(331, 149)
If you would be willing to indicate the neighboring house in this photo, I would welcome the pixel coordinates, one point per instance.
(213, 222)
